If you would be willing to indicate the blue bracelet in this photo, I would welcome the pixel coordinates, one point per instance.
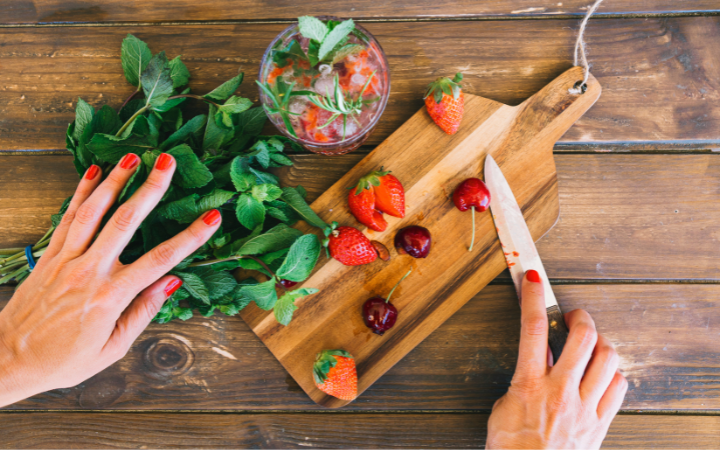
(29, 256)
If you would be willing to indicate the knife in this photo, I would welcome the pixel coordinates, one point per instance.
(520, 251)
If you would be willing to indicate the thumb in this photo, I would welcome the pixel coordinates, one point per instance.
(138, 315)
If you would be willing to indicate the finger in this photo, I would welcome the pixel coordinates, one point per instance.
(170, 253)
(139, 314)
(578, 347)
(532, 355)
(88, 183)
(118, 231)
(611, 401)
(90, 213)
(600, 372)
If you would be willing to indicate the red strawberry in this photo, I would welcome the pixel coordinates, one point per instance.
(445, 103)
(335, 374)
(349, 246)
(362, 206)
(388, 195)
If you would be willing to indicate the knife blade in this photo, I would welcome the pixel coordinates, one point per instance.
(520, 251)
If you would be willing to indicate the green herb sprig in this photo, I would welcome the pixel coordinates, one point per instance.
(223, 162)
(340, 104)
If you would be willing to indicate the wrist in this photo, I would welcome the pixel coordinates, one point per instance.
(10, 388)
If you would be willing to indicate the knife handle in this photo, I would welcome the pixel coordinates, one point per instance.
(558, 331)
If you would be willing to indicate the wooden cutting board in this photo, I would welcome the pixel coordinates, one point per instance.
(430, 164)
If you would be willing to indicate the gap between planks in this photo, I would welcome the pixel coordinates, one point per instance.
(490, 18)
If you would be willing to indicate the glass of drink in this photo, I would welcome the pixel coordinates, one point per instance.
(322, 90)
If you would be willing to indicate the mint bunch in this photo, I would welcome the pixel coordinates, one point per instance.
(223, 162)
(328, 42)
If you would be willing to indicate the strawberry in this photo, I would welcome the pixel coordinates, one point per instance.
(381, 191)
(349, 246)
(445, 103)
(362, 206)
(335, 374)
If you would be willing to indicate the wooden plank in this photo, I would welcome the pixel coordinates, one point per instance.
(430, 164)
(621, 216)
(108, 430)
(659, 76)
(60, 11)
(666, 335)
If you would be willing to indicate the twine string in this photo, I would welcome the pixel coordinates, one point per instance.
(580, 52)
(30, 259)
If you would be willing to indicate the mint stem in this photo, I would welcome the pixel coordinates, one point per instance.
(396, 285)
(132, 119)
(197, 97)
(235, 258)
(128, 99)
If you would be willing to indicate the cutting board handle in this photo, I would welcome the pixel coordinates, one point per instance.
(553, 109)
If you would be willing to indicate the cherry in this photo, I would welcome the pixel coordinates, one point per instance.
(287, 283)
(413, 240)
(379, 314)
(472, 193)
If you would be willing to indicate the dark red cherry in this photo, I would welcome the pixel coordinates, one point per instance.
(472, 192)
(379, 315)
(413, 240)
(287, 283)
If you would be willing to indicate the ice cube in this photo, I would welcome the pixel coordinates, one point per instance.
(350, 127)
(358, 79)
(297, 104)
(324, 85)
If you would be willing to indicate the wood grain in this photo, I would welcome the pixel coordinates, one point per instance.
(61, 11)
(666, 335)
(430, 164)
(660, 77)
(621, 216)
(108, 430)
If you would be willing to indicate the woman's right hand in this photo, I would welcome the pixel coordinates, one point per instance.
(80, 309)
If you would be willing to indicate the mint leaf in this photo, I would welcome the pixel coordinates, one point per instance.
(276, 238)
(190, 172)
(178, 72)
(226, 89)
(301, 259)
(215, 135)
(218, 283)
(250, 212)
(83, 116)
(333, 38)
(282, 212)
(194, 285)
(191, 127)
(312, 28)
(285, 305)
(296, 202)
(189, 208)
(111, 149)
(156, 81)
(214, 200)
(134, 56)
(251, 122)
(263, 294)
(242, 181)
(345, 51)
(233, 105)
(266, 192)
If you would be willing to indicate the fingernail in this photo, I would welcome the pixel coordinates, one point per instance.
(173, 286)
(212, 217)
(129, 161)
(163, 162)
(92, 172)
(533, 275)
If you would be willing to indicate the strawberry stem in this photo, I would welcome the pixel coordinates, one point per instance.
(472, 240)
(396, 285)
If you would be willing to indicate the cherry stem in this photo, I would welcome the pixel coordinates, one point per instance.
(472, 240)
(396, 285)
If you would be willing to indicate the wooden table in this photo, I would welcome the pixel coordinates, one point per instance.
(636, 244)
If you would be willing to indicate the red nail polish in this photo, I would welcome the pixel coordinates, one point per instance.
(212, 217)
(173, 286)
(533, 275)
(129, 161)
(163, 162)
(92, 172)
